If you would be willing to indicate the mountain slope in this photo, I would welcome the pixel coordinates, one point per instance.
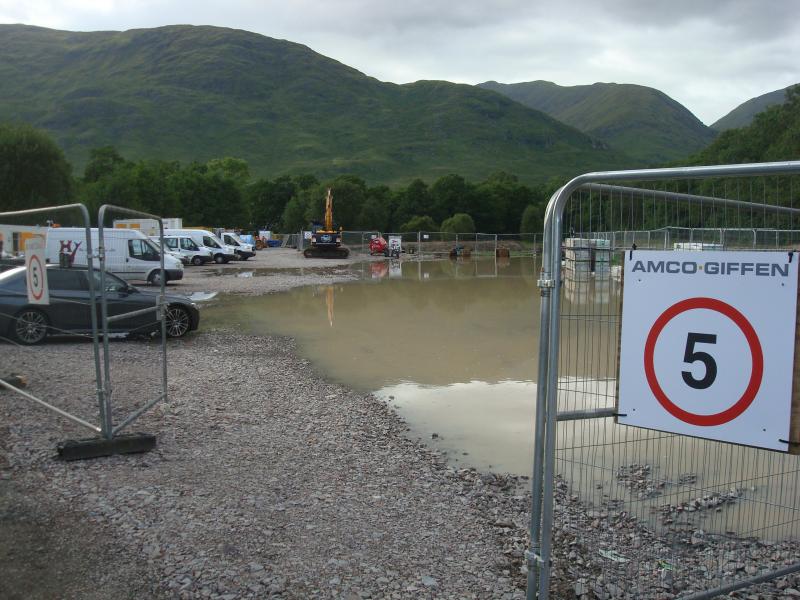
(742, 115)
(774, 135)
(193, 93)
(641, 121)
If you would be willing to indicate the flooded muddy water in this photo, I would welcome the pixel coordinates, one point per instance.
(452, 346)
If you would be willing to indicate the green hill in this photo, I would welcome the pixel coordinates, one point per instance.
(640, 121)
(743, 115)
(194, 93)
(774, 135)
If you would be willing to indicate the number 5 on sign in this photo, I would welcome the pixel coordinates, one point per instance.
(36, 272)
(707, 345)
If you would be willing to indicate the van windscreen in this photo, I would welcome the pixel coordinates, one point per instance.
(207, 241)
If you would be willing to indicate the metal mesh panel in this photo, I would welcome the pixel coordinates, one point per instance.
(358, 241)
(71, 311)
(637, 512)
(520, 244)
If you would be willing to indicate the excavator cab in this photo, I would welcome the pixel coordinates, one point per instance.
(326, 242)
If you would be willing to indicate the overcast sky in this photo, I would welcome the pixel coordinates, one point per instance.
(710, 55)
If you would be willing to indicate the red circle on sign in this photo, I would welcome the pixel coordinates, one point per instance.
(41, 289)
(757, 355)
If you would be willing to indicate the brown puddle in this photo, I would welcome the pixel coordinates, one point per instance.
(453, 347)
(454, 342)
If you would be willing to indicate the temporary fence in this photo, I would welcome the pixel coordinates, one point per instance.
(141, 384)
(729, 238)
(521, 244)
(627, 512)
(77, 296)
(432, 244)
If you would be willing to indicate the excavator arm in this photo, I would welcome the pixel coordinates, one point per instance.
(329, 211)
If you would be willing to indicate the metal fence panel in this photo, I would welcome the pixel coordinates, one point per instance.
(622, 512)
(12, 249)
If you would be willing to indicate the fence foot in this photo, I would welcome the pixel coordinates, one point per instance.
(96, 447)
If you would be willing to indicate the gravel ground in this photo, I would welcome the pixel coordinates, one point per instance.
(272, 270)
(269, 481)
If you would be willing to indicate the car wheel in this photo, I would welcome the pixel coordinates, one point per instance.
(154, 278)
(178, 321)
(197, 261)
(30, 327)
(219, 259)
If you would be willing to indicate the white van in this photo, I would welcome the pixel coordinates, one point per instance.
(129, 253)
(184, 248)
(243, 249)
(219, 251)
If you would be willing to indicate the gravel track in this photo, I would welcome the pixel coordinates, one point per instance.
(267, 481)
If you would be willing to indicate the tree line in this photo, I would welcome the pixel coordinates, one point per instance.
(222, 192)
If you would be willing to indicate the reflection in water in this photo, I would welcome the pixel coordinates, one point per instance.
(441, 323)
(486, 425)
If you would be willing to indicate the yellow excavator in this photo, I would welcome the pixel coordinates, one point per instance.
(326, 242)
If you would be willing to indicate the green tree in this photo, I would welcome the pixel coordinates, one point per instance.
(451, 194)
(532, 219)
(419, 223)
(102, 161)
(229, 167)
(266, 200)
(33, 170)
(349, 193)
(293, 218)
(376, 210)
(413, 200)
(459, 223)
(208, 198)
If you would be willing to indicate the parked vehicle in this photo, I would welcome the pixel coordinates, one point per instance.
(69, 308)
(243, 249)
(170, 251)
(184, 247)
(129, 253)
(221, 252)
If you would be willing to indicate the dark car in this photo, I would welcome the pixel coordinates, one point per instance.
(68, 311)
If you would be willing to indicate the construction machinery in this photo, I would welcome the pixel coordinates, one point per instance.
(326, 242)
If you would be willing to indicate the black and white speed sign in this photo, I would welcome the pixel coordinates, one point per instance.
(707, 344)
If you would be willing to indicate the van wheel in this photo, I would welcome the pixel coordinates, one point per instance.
(30, 327)
(219, 259)
(154, 278)
(178, 321)
(197, 261)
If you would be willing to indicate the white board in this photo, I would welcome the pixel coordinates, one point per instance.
(395, 243)
(707, 344)
(35, 270)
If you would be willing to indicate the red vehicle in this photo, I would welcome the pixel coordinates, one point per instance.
(378, 245)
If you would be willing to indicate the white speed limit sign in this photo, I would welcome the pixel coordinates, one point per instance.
(36, 272)
(707, 344)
